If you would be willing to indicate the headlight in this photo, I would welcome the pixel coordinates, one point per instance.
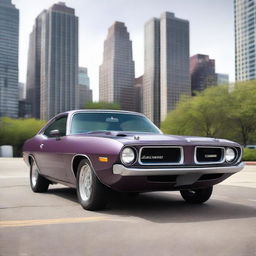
(230, 154)
(127, 156)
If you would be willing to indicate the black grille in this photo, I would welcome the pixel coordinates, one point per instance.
(209, 155)
(160, 156)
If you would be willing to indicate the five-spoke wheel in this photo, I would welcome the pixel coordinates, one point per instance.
(90, 192)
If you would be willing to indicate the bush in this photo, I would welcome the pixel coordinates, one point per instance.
(16, 131)
(249, 154)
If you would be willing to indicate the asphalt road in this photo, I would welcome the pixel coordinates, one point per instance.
(151, 224)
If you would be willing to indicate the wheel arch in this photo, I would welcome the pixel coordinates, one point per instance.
(76, 160)
(31, 158)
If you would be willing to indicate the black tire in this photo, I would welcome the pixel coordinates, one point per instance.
(93, 195)
(38, 183)
(196, 196)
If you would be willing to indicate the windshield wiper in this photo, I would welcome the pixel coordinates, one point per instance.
(97, 131)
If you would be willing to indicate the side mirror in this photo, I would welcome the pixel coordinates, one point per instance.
(55, 133)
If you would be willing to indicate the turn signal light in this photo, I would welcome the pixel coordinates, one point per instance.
(103, 159)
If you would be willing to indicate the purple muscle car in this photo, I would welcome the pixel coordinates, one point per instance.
(96, 151)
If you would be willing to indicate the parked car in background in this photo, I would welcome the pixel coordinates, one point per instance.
(250, 146)
(96, 151)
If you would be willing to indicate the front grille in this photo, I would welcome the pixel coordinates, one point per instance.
(161, 155)
(209, 155)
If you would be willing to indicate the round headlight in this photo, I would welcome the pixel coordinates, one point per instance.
(127, 156)
(230, 154)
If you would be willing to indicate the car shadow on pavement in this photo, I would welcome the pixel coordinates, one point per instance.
(169, 207)
(65, 192)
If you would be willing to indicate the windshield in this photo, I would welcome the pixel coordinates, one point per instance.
(90, 122)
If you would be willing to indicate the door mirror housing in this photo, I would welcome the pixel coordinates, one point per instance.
(55, 133)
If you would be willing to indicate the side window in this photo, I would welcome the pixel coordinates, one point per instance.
(60, 124)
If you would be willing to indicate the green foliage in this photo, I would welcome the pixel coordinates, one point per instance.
(15, 131)
(249, 154)
(102, 105)
(219, 111)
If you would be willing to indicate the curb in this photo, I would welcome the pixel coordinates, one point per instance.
(250, 163)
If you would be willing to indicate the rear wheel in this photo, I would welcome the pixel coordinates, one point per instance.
(38, 183)
(196, 196)
(91, 192)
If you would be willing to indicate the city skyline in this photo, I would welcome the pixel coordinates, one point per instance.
(220, 43)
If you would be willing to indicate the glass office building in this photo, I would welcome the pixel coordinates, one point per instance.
(245, 38)
(116, 76)
(53, 62)
(9, 50)
(166, 65)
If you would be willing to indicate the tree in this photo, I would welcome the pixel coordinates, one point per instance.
(102, 105)
(217, 112)
(243, 111)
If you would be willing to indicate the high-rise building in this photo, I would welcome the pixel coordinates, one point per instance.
(202, 72)
(245, 37)
(222, 79)
(174, 54)
(9, 51)
(85, 93)
(34, 68)
(138, 97)
(151, 77)
(166, 74)
(116, 76)
(53, 62)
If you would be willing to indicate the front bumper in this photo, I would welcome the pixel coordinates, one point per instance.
(125, 171)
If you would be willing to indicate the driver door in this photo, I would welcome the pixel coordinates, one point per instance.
(52, 151)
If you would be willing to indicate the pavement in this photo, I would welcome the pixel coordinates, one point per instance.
(158, 223)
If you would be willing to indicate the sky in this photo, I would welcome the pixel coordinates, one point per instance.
(211, 29)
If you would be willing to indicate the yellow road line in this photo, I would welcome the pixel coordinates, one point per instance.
(27, 223)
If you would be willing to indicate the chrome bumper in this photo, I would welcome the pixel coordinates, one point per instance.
(124, 171)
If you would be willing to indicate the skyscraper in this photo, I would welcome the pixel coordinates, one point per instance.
(53, 61)
(34, 68)
(9, 50)
(116, 76)
(166, 69)
(202, 72)
(151, 77)
(174, 63)
(85, 93)
(245, 37)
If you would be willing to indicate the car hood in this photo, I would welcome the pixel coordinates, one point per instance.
(164, 139)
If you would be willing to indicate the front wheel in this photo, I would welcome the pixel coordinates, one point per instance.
(196, 196)
(38, 183)
(90, 192)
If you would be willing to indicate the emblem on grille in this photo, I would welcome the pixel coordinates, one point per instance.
(151, 157)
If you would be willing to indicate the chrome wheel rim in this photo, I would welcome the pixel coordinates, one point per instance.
(85, 182)
(34, 175)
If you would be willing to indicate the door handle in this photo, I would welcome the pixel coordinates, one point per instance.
(41, 146)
